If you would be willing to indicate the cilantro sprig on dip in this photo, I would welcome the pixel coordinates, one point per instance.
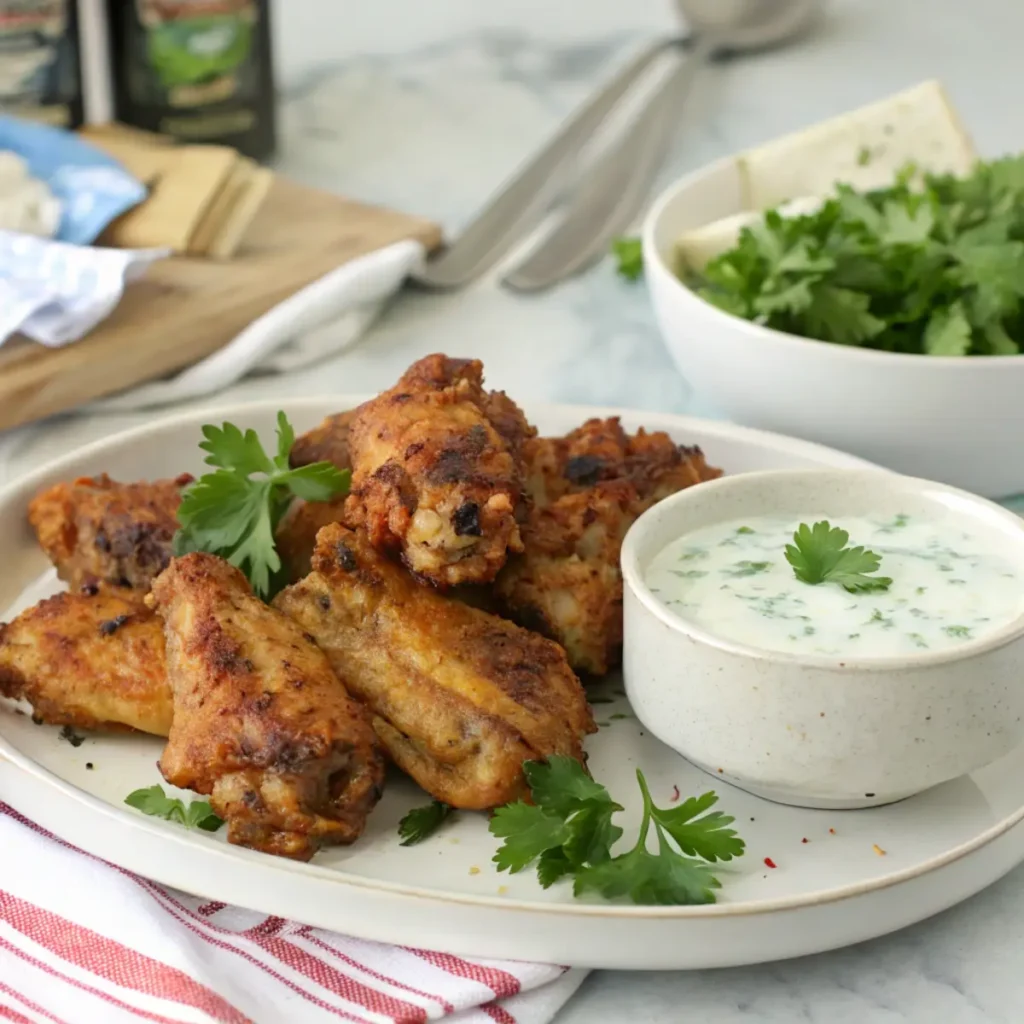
(819, 554)
(234, 511)
(932, 265)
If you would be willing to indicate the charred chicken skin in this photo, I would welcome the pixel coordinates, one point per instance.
(91, 659)
(437, 472)
(96, 530)
(262, 724)
(459, 697)
(587, 489)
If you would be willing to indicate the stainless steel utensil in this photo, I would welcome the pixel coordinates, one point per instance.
(518, 207)
(614, 190)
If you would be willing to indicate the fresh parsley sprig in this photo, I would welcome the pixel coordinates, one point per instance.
(568, 831)
(932, 265)
(819, 554)
(234, 511)
(422, 822)
(156, 803)
(629, 255)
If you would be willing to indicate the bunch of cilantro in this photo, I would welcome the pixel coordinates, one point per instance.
(932, 265)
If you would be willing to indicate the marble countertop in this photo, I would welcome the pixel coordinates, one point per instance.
(427, 107)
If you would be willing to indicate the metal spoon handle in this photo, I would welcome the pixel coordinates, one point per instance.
(517, 208)
(616, 188)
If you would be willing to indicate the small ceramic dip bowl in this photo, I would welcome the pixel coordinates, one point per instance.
(813, 695)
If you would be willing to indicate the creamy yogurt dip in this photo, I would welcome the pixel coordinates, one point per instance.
(949, 586)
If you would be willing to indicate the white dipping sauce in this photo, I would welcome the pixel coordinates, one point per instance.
(733, 579)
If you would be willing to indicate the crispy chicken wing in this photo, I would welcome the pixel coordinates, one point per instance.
(96, 530)
(326, 443)
(261, 721)
(296, 533)
(587, 489)
(93, 660)
(460, 698)
(437, 472)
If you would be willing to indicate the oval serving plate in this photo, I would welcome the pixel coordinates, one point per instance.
(834, 889)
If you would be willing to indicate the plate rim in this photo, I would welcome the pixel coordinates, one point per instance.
(195, 845)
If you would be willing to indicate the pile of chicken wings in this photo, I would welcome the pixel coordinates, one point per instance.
(437, 616)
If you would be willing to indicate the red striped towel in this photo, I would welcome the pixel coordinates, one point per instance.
(83, 941)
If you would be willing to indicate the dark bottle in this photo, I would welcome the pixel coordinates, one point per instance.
(40, 61)
(198, 70)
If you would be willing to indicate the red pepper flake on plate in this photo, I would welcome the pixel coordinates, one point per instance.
(805, 840)
(675, 793)
(769, 863)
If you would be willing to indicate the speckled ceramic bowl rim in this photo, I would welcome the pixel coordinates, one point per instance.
(633, 576)
(654, 259)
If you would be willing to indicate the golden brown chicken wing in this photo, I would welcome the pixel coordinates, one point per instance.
(437, 472)
(261, 721)
(460, 698)
(93, 660)
(296, 533)
(326, 443)
(587, 490)
(96, 530)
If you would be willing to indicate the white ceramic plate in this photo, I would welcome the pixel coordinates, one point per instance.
(830, 891)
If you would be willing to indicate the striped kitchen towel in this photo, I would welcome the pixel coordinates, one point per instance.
(85, 942)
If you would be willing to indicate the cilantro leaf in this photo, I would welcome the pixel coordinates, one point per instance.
(528, 832)
(819, 554)
(551, 866)
(568, 831)
(647, 878)
(234, 511)
(948, 333)
(422, 822)
(629, 254)
(561, 783)
(157, 804)
(698, 834)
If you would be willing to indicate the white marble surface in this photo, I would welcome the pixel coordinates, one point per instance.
(426, 106)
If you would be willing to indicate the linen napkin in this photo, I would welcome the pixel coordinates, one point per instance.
(85, 942)
(325, 317)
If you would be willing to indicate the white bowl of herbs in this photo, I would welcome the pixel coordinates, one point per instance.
(828, 287)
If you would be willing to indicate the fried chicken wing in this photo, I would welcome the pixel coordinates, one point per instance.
(587, 489)
(93, 660)
(296, 533)
(96, 530)
(437, 472)
(460, 698)
(326, 443)
(262, 724)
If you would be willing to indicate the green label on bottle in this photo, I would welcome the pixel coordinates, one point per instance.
(198, 50)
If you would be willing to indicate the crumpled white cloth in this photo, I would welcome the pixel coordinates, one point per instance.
(55, 293)
(326, 316)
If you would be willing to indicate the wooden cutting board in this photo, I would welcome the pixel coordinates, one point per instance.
(186, 308)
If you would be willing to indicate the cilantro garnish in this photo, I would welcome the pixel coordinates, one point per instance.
(819, 554)
(422, 822)
(933, 265)
(234, 511)
(568, 831)
(629, 253)
(156, 803)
